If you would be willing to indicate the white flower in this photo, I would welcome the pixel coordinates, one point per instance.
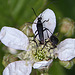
(16, 39)
(66, 49)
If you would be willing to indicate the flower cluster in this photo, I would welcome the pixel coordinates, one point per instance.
(33, 56)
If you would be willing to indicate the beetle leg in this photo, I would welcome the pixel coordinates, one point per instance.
(45, 20)
(44, 45)
(35, 40)
(50, 48)
(47, 29)
(35, 36)
(36, 31)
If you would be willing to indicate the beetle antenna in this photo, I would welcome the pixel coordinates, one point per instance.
(51, 3)
(34, 12)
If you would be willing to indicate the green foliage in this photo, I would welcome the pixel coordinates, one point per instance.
(56, 69)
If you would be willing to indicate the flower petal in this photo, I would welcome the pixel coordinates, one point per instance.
(48, 14)
(42, 64)
(12, 51)
(18, 68)
(66, 49)
(14, 38)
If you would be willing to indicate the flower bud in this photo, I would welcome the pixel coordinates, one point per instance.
(66, 64)
(66, 27)
(8, 58)
(27, 29)
(73, 60)
(44, 74)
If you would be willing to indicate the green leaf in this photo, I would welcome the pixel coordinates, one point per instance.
(21, 10)
(56, 69)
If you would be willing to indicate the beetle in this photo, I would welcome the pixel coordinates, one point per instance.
(40, 29)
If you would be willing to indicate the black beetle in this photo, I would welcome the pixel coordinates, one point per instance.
(40, 29)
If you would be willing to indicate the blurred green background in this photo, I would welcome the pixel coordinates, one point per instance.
(16, 12)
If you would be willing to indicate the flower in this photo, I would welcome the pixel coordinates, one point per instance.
(14, 38)
(34, 56)
(66, 27)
